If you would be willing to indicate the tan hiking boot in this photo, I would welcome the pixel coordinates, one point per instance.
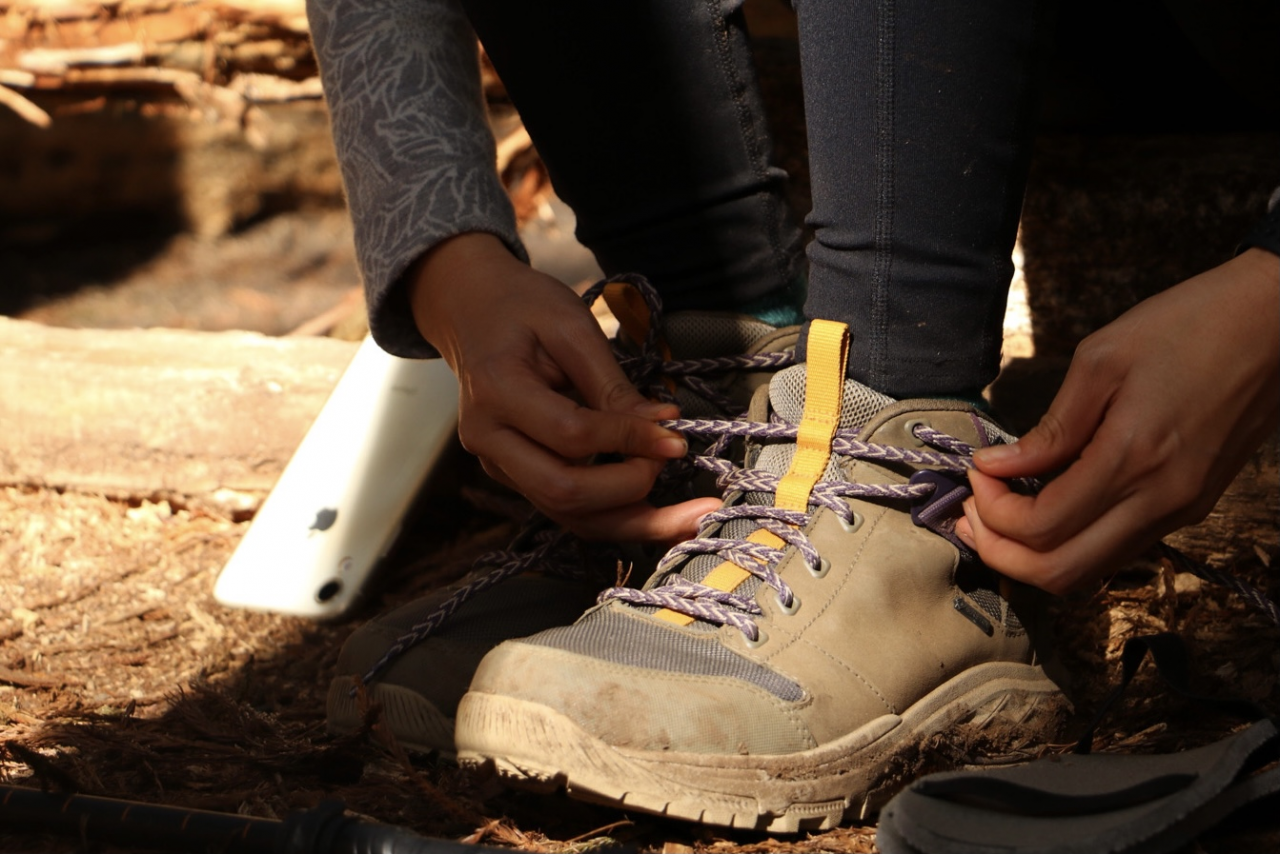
(785, 667)
(417, 660)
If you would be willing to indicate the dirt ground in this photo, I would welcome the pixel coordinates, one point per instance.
(120, 675)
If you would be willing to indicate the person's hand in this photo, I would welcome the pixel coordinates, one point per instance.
(541, 394)
(1159, 410)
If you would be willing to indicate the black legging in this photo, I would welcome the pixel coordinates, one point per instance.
(648, 117)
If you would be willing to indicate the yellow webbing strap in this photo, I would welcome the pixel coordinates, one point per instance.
(824, 386)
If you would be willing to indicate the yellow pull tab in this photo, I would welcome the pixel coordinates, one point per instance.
(828, 351)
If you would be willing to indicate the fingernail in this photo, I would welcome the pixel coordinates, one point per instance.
(672, 447)
(964, 529)
(997, 453)
(653, 409)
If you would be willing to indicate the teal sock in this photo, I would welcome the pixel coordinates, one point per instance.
(780, 307)
(975, 400)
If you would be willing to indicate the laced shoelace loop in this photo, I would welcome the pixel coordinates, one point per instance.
(715, 606)
(710, 605)
(648, 370)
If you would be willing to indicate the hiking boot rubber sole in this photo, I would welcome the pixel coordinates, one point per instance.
(418, 725)
(533, 747)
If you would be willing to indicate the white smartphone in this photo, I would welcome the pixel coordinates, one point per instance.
(340, 502)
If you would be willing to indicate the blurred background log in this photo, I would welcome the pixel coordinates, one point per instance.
(204, 113)
(196, 417)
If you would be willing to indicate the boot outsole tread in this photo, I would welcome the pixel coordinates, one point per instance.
(1009, 704)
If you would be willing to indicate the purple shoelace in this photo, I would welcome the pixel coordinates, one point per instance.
(719, 607)
(541, 544)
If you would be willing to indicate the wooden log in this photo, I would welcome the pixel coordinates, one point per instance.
(199, 417)
(206, 175)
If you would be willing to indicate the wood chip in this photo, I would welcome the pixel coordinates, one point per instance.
(24, 108)
(270, 89)
(33, 680)
(54, 61)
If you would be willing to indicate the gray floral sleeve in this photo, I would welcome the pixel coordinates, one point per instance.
(402, 81)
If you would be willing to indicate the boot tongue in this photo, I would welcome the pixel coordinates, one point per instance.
(786, 401)
(859, 405)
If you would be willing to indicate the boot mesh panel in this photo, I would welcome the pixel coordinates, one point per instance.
(858, 406)
(988, 601)
(697, 335)
(611, 635)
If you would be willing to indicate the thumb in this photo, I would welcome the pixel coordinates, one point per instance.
(1055, 441)
(589, 363)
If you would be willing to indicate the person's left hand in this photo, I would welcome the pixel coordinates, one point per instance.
(1159, 411)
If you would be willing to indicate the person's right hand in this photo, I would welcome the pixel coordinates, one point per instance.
(541, 394)
(1160, 410)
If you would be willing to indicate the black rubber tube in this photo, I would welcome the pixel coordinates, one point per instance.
(322, 830)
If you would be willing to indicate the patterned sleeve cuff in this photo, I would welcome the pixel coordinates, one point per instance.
(402, 81)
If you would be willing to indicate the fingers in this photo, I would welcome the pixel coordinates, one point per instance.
(522, 413)
(603, 502)
(1061, 435)
(541, 392)
(1078, 434)
(1159, 411)
(1118, 497)
(644, 523)
(559, 384)
(566, 428)
(1089, 487)
(1115, 538)
(589, 364)
(562, 489)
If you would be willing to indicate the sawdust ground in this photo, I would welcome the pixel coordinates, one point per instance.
(120, 676)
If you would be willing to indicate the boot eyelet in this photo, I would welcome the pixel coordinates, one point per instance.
(762, 637)
(852, 526)
(824, 566)
(910, 429)
(795, 605)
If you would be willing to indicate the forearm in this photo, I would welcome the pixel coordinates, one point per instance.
(415, 150)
